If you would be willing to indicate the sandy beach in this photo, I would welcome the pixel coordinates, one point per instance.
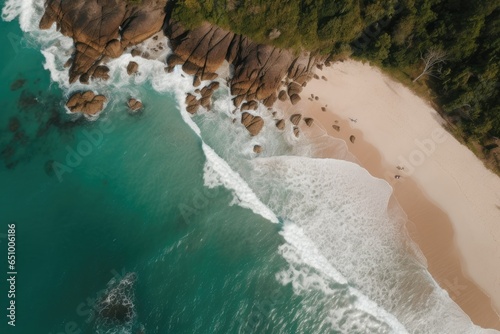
(451, 199)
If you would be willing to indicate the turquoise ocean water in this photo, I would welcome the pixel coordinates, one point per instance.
(157, 222)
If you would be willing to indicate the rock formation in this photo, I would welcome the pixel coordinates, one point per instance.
(102, 28)
(295, 119)
(86, 102)
(134, 104)
(280, 124)
(309, 121)
(253, 123)
(132, 68)
(258, 69)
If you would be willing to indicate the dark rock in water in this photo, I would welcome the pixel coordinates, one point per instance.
(14, 124)
(336, 127)
(19, 83)
(295, 119)
(116, 306)
(134, 104)
(86, 102)
(323, 109)
(7, 152)
(280, 124)
(116, 312)
(352, 138)
(132, 68)
(26, 100)
(296, 131)
(257, 149)
(254, 124)
(21, 138)
(309, 121)
(49, 167)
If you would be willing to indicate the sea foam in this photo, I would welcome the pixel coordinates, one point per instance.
(348, 251)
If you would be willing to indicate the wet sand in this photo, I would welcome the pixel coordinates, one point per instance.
(449, 196)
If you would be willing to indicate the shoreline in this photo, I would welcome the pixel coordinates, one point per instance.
(451, 220)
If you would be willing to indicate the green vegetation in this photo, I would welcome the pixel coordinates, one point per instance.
(393, 34)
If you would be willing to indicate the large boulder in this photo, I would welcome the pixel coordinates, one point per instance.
(295, 98)
(254, 124)
(86, 102)
(102, 28)
(132, 68)
(258, 69)
(295, 119)
(134, 104)
(309, 121)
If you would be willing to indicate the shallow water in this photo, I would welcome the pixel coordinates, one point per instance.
(157, 222)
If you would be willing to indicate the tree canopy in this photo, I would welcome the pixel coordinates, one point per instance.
(394, 34)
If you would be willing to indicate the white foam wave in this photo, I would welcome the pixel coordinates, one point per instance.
(343, 223)
(342, 240)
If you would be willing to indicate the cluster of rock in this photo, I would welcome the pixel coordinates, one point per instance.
(86, 102)
(102, 29)
(205, 100)
(261, 72)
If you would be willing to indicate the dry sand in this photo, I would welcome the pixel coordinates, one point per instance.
(451, 199)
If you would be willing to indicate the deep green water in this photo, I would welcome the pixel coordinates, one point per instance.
(135, 204)
(123, 225)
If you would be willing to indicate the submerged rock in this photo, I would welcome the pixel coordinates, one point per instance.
(19, 83)
(257, 149)
(352, 138)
